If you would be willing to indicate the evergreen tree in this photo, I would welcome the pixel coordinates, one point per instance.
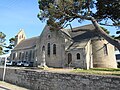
(2, 42)
(59, 12)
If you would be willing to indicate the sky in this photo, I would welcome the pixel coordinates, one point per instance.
(22, 14)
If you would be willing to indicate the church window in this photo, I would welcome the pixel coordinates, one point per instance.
(26, 55)
(22, 35)
(13, 56)
(22, 55)
(48, 50)
(105, 49)
(30, 54)
(78, 56)
(43, 48)
(54, 49)
(33, 54)
(19, 55)
(69, 58)
(48, 36)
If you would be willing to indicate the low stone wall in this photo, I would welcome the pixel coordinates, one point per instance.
(43, 80)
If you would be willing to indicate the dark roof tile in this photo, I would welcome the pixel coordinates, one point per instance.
(81, 33)
(27, 43)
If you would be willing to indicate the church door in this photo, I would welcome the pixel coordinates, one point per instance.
(69, 58)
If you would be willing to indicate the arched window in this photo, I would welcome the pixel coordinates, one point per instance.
(105, 49)
(78, 56)
(48, 50)
(13, 56)
(19, 55)
(69, 58)
(43, 48)
(22, 55)
(54, 49)
(48, 36)
(33, 54)
(22, 35)
(26, 56)
(30, 55)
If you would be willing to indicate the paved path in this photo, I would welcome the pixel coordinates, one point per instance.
(8, 86)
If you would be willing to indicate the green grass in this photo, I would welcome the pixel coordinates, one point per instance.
(99, 71)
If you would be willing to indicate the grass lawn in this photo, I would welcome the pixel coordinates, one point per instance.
(99, 71)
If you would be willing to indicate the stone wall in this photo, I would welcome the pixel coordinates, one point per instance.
(103, 58)
(43, 80)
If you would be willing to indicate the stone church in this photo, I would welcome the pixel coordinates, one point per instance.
(80, 47)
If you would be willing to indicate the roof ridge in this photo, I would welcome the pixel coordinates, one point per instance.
(78, 27)
(31, 38)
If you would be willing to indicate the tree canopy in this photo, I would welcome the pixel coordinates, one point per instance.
(3, 47)
(108, 9)
(2, 42)
(59, 12)
(11, 43)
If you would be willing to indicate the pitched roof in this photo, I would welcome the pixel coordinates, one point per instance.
(82, 33)
(80, 36)
(27, 43)
(76, 45)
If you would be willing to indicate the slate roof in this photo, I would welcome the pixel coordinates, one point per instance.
(81, 35)
(76, 45)
(27, 43)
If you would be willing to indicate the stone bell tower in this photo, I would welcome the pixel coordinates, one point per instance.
(20, 36)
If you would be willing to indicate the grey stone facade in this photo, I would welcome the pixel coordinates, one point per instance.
(82, 47)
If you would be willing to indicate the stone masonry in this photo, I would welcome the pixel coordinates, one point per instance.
(44, 80)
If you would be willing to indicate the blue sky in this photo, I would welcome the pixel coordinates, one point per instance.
(22, 14)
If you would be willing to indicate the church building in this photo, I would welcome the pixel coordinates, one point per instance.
(80, 47)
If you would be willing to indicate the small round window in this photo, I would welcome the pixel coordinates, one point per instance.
(49, 36)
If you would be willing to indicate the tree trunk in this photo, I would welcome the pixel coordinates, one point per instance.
(100, 31)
